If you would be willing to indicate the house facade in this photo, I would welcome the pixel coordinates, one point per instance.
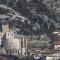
(12, 44)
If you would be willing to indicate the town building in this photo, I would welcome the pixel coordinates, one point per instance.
(57, 44)
(11, 44)
(56, 49)
(9, 41)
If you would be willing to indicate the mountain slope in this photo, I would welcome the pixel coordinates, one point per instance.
(39, 16)
(35, 17)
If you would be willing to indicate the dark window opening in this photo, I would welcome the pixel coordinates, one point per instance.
(4, 23)
(8, 34)
(12, 34)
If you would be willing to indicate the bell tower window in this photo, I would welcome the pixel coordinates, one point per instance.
(4, 23)
(5, 26)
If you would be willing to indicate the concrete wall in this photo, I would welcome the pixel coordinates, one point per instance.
(12, 46)
(49, 58)
(12, 43)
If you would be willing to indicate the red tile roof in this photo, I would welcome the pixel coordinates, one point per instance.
(57, 43)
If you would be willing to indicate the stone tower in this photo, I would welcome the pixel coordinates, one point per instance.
(5, 26)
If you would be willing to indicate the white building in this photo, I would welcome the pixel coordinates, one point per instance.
(11, 44)
(49, 58)
(56, 54)
(53, 57)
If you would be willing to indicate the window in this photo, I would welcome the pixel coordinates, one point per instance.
(12, 34)
(16, 51)
(8, 34)
(4, 23)
(12, 51)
